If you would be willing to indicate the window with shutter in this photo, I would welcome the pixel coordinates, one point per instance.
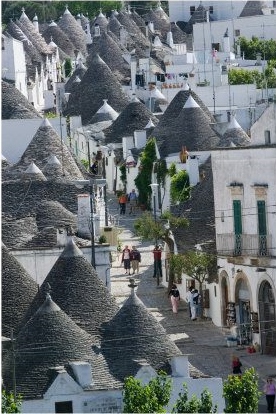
(262, 227)
(237, 227)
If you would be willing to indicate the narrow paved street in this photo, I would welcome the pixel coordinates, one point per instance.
(201, 340)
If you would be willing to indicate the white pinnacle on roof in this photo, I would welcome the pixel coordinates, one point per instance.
(33, 169)
(101, 14)
(186, 87)
(157, 42)
(191, 103)
(107, 109)
(77, 79)
(233, 124)
(155, 93)
(23, 15)
(52, 24)
(45, 123)
(134, 98)
(52, 160)
(35, 19)
(52, 43)
(66, 10)
(150, 124)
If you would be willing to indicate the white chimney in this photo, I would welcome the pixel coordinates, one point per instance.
(140, 138)
(226, 42)
(84, 215)
(83, 373)
(192, 169)
(133, 71)
(35, 23)
(151, 26)
(180, 366)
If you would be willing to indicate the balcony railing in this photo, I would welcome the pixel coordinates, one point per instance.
(244, 245)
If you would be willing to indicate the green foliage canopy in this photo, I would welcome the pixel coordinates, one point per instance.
(149, 398)
(10, 403)
(241, 392)
(180, 189)
(143, 179)
(254, 46)
(203, 404)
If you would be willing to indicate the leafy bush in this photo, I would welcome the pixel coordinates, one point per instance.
(241, 392)
(203, 404)
(180, 187)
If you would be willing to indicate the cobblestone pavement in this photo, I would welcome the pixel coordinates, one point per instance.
(201, 340)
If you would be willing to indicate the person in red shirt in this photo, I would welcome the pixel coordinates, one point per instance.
(157, 253)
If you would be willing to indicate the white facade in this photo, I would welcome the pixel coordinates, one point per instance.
(39, 262)
(245, 199)
(65, 388)
(219, 10)
(14, 144)
(14, 64)
(263, 131)
(206, 34)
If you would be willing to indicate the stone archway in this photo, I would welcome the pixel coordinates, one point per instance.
(267, 315)
(224, 297)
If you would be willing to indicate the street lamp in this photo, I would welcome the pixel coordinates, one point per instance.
(154, 189)
(99, 182)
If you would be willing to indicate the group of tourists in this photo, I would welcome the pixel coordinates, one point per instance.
(131, 199)
(131, 259)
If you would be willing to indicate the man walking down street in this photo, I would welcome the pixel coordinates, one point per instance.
(132, 198)
(135, 259)
(157, 254)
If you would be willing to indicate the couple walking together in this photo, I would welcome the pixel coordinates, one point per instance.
(131, 259)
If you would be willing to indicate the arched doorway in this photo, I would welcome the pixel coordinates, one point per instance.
(243, 315)
(267, 318)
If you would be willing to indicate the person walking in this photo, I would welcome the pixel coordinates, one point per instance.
(194, 304)
(135, 259)
(270, 391)
(132, 198)
(175, 298)
(188, 299)
(236, 365)
(122, 203)
(157, 254)
(126, 259)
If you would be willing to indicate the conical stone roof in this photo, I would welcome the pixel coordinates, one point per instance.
(104, 113)
(100, 21)
(178, 35)
(111, 53)
(44, 144)
(15, 105)
(18, 291)
(253, 8)
(191, 129)
(200, 212)
(160, 22)
(189, 126)
(136, 38)
(16, 232)
(74, 31)
(61, 39)
(114, 26)
(98, 83)
(135, 116)
(31, 52)
(52, 213)
(76, 288)
(28, 28)
(132, 335)
(234, 134)
(46, 345)
(76, 77)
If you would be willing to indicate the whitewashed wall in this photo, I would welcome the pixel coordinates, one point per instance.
(18, 133)
(267, 121)
(14, 68)
(38, 263)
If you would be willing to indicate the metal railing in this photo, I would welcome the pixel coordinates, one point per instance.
(244, 244)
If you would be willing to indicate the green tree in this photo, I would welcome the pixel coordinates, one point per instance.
(11, 403)
(200, 266)
(241, 392)
(254, 46)
(180, 187)
(143, 179)
(149, 229)
(203, 404)
(149, 398)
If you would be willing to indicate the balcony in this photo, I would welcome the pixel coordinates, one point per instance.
(244, 245)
